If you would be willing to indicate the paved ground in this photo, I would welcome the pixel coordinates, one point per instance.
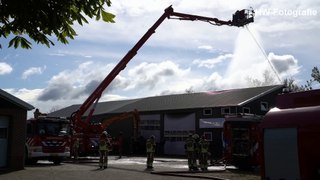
(126, 168)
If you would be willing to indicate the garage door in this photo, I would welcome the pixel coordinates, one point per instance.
(176, 128)
(3, 140)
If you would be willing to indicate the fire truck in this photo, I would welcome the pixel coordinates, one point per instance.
(290, 136)
(82, 127)
(48, 138)
(240, 136)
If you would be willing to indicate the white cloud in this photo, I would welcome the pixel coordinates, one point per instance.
(150, 75)
(286, 65)
(27, 95)
(206, 47)
(5, 68)
(32, 71)
(70, 84)
(211, 63)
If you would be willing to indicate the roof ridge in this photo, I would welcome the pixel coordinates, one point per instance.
(11, 98)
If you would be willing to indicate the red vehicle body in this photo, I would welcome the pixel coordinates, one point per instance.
(82, 127)
(48, 138)
(240, 135)
(89, 143)
(290, 136)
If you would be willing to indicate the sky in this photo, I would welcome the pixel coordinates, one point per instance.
(180, 56)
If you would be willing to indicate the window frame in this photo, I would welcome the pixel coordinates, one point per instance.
(207, 109)
(266, 106)
(223, 110)
(248, 108)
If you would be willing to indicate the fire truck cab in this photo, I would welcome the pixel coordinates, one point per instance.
(48, 138)
(290, 141)
(240, 137)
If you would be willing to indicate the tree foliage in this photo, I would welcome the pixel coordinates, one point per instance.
(40, 19)
(292, 86)
(315, 74)
(268, 79)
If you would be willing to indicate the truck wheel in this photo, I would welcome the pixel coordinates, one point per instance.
(31, 161)
(28, 161)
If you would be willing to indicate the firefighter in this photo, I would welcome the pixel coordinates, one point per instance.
(204, 151)
(104, 148)
(150, 148)
(37, 113)
(76, 146)
(189, 147)
(196, 151)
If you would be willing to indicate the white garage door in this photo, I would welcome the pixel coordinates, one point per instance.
(176, 129)
(3, 140)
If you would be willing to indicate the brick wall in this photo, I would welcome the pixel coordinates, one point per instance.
(16, 137)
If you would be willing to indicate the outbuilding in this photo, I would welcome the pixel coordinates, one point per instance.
(13, 116)
(170, 118)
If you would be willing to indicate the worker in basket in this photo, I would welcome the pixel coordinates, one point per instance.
(104, 148)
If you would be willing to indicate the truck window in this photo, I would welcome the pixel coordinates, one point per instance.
(53, 128)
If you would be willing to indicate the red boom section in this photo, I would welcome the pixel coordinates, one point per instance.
(240, 18)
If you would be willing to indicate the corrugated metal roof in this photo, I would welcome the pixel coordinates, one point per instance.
(232, 97)
(10, 98)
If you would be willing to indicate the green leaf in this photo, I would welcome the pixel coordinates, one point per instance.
(98, 15)
(25, 43)
(11, 42)
(17, 42)
(107, 17)
(108, 2)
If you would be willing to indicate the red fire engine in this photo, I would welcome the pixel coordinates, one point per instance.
(48, 138)
(290, 136)
(240, 136)
(82, 126)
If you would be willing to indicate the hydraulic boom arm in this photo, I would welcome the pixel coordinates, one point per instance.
(240, 18)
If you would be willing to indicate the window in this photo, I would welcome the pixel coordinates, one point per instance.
(264, 106)
(150, 124)
(208, 135)
(246, 110)
(175, 136)
(225, 110)
(207, 111)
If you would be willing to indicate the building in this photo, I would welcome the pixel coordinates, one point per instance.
(13, 116)
(172, 117)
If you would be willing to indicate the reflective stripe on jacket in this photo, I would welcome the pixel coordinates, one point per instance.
(204, 145)
(150, 145)
(190, 144)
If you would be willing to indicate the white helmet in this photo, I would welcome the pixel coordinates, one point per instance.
(105, 133)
